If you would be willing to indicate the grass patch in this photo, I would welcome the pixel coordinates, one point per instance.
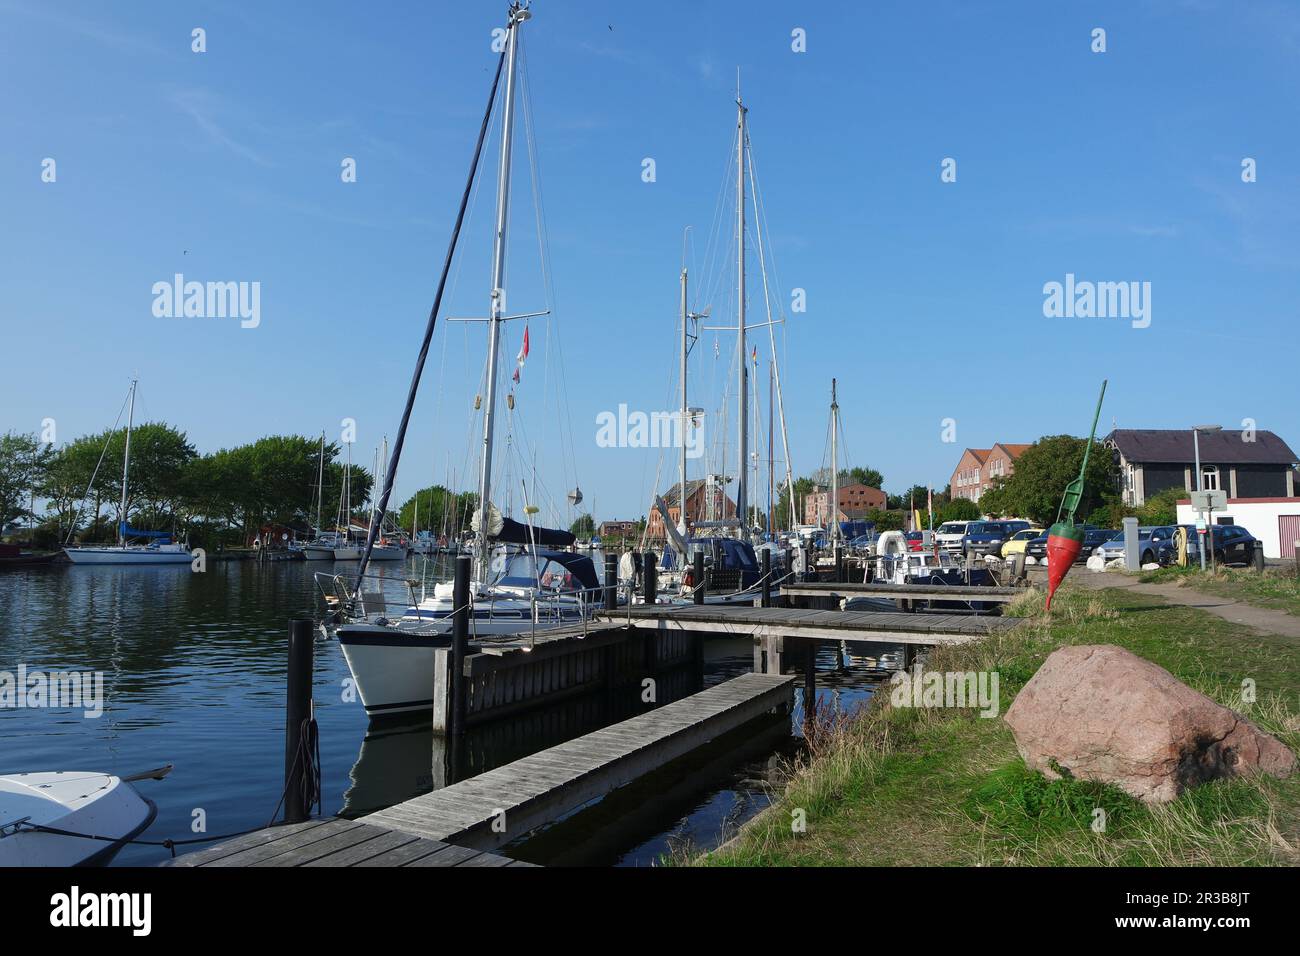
(937, 786)
(1275, 588)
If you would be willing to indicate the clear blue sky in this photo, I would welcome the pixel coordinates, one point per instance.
(924, 298)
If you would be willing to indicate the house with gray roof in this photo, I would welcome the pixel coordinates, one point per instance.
(1245, 464)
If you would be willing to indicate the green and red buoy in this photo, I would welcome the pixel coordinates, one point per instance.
(1065, 538)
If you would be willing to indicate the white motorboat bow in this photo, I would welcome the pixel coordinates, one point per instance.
(96, 814)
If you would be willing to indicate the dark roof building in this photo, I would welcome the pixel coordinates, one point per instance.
(1245, 464)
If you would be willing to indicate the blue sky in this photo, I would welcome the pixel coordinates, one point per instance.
(924, 298)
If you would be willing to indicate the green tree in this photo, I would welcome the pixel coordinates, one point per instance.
(1034, 490)
(781, 512)
(583, 527)
(958, 509)
(23, 463)
(440, 509)
(1162, 507)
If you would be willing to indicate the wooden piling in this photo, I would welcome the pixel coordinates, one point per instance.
(459, 644)
(701, 587)
(297, 714)
(766, 600)
(611, 582)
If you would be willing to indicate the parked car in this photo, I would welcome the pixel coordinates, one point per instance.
(1233, 544)
(1016, 543)
(950, 534)
(1151, 539)
(984, 537)
(1093, 536)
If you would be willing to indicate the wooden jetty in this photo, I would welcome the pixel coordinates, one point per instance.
(337, 842)
(771, 627)
(901, 592)
(490, 810)
(507, 674)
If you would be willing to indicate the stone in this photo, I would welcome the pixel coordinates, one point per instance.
(1099, 712)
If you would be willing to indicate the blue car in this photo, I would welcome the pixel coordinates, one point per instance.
(987, 537)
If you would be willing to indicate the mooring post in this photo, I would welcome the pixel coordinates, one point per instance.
(648, 577)
(839, 565)
(297, 713)
(459, 643)
(611, 582)
(766, 600)
(809, 682)
(701, 588)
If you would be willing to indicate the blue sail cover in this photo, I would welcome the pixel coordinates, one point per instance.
(128, 532)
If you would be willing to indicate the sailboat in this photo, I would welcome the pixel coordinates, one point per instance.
(521, 579)
(734, 568)
(159, 550)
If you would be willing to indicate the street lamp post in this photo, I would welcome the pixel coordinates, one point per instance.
(1200, 484)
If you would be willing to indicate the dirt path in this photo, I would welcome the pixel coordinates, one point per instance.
(1237, 612)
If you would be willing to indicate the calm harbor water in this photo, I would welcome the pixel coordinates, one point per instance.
(194, 671)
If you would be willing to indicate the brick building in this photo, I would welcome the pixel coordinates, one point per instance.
(855, 500)
(697, 507)
(979, 468)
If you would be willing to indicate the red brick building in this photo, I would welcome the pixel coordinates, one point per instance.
(855, 501)
(697, 501)
(978, 468)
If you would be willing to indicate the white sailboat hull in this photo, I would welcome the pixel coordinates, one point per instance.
(77, 801)
(128, 555)
(392, 667)
(315, 553)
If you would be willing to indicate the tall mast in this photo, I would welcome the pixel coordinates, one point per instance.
(742, 391)
(320, 482)
(771, 336)
(518, 15)
(681, 500)
(126, 465)
(835, 468)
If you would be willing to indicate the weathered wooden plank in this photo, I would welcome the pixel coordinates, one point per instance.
(451, 856)
(304, 837)
(299, 856)
(384, 843)
(245, 842)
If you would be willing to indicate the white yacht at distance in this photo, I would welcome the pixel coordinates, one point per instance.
(159, 550)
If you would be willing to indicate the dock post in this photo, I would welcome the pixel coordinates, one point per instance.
(839, 565)
(648, 571)
(809, 683)
(766, 600)
(611, 582)
(297, 714)
(701, 588)
(459, 643)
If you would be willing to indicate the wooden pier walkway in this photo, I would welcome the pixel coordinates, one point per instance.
(490, 810)
(923, 592)
(766, 622)
(337, 842)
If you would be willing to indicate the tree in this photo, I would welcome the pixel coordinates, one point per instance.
(782, 513)
(440, 509)
(23, 462)
(1034, 490)
(959, 509)
(583, 527)
(1162, 507)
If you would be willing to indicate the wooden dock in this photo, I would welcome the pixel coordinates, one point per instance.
(902, 592)
(337, 842)
(490, 810)
(872, 627)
